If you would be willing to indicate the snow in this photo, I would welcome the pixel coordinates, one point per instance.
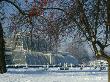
(40, 75)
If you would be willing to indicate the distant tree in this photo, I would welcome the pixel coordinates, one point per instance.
(79, 51)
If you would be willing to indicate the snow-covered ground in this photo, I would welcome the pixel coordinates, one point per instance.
(52, 75)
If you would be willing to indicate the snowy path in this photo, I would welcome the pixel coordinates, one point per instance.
(33, 75)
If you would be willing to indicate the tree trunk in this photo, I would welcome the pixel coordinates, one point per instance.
(2, 52)
(108, 28)
(108, 70)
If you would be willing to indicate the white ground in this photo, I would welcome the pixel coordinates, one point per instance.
(35, 75)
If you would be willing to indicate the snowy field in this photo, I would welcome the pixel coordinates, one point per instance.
(52, 75)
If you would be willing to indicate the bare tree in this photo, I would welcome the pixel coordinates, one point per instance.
(93, 19)
(2, 42)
